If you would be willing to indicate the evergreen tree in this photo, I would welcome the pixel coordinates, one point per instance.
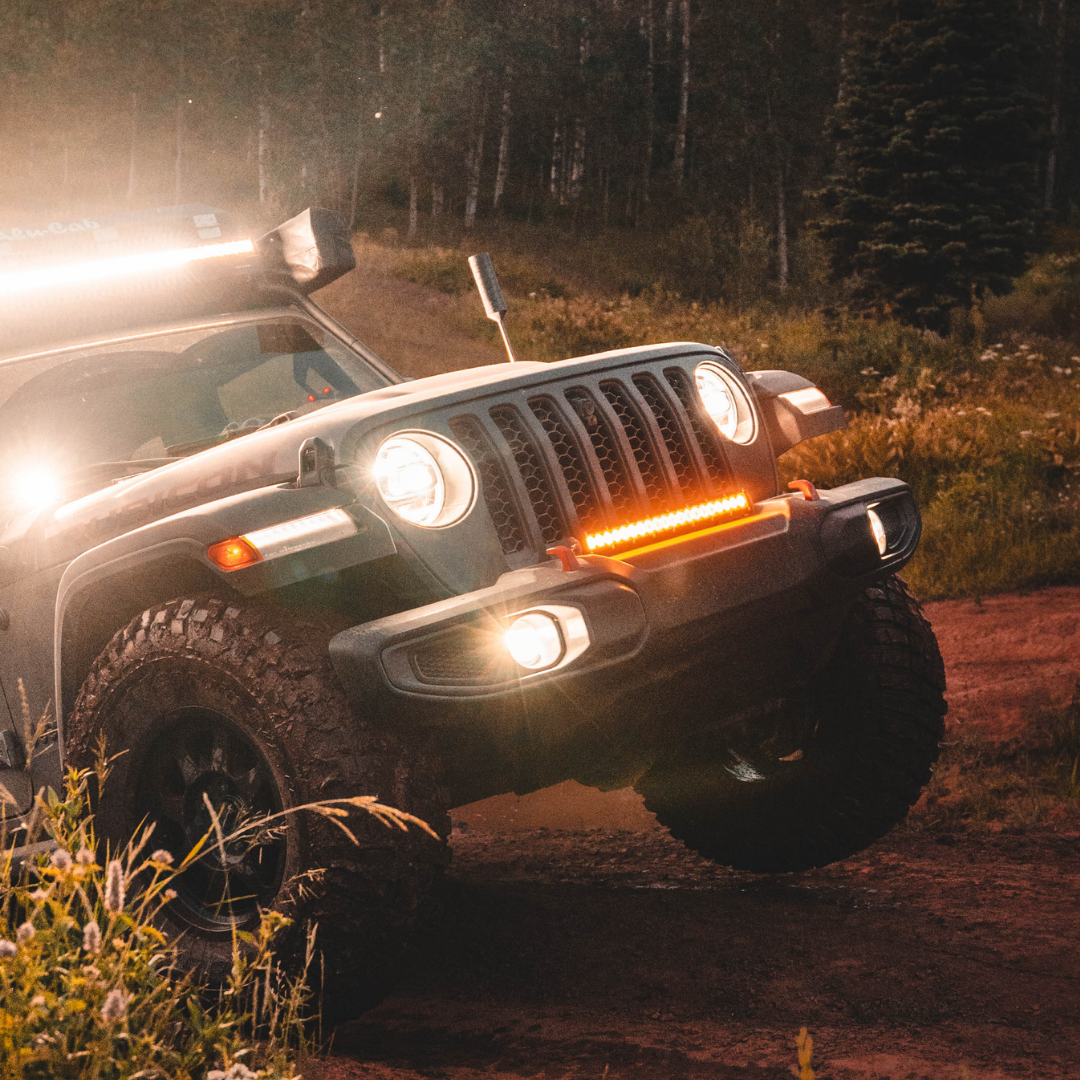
(934, 199)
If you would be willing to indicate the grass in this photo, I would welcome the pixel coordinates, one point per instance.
(1016, 784)
(90, 988)
(984, 424)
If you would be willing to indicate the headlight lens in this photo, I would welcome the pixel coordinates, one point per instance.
(425, 479)
(878, 529)
(726, 402)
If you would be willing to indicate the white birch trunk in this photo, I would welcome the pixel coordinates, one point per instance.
(475, 164)
(504, 148)
(436, 201)
(556, 158)
(264, 156)
(679, 164)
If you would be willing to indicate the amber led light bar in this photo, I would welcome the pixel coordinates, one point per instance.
(664, 525)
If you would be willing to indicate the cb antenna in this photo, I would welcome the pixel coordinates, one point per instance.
(487, 282)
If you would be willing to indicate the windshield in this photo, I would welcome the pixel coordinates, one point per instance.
(123, 407)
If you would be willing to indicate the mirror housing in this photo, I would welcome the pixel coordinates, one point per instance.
(312, 249)
(787, 422)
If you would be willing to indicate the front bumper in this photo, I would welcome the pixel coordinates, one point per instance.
(719, 619)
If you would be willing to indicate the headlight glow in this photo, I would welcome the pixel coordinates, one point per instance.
(36, 488)
(534, 641)
(425, 479)
(726, 402)
(878, 529)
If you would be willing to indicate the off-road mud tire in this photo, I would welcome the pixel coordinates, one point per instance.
(876, 722)
(270, 673)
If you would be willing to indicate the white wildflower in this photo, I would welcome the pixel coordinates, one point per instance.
(61, 859)
(170, 894)
(1051, 415)
(39, 895)
(7, 949)
(25, 933)
(1057, 370)
(161, 855)
(114, 887)
(84, 856)
(115, 1006)
(37, 1000)
(239, 1071)
(91, 937)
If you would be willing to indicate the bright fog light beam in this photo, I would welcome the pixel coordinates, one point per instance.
(61, 277)
(534, 641)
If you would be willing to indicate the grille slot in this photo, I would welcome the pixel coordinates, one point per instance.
(704, 432)
(606, 449)
(463, 656)
(494, 482)
(531, 467)
(633, 424)
(681, 459)
(574, 473)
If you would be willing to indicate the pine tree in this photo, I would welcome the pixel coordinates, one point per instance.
(934, 199)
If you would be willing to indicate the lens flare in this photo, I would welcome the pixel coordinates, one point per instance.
(36, 488)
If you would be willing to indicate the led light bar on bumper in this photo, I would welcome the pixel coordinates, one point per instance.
(665, 526)
(285, 539)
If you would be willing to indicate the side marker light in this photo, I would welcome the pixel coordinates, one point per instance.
(685, 520)
(285, 539)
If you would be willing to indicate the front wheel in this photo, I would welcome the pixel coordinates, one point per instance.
(237, 707)
(804, 781)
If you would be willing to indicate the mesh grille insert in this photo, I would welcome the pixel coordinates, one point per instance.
(574, 473)
(704, 432)
(530, 465)
(493, 483)
(678, 451)
(606, 449)
(633, 424)
(465, 656)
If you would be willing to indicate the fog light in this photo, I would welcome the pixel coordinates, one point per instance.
(879, 532)
(534, 640)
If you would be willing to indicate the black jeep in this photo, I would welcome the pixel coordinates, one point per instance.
(267, 570)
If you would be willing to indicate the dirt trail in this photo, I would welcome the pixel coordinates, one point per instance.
(580, 938)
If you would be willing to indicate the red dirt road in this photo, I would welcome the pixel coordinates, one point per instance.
(581, 941)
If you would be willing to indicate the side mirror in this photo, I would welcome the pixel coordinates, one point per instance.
(487, 283)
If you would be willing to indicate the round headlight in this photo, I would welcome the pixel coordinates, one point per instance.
(425, 479)
(726, 402)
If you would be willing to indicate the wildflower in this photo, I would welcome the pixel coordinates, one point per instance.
(1051, 415)
(37, 1000)
(91, 937)
(114, 887)
(115, 1006)
(61, 860)
(84, 856)
(1057, 370)
(161, 855)
(39, 895)
(170, 894)
(7, 949)
(25, 933)
(239, 1071)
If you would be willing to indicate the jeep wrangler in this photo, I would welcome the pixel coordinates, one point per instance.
(263, 569)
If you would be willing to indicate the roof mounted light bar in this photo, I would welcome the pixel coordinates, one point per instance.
(20, 282)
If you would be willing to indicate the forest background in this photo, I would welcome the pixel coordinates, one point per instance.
(880, 194)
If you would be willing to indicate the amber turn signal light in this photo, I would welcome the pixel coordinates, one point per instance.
(233, 553)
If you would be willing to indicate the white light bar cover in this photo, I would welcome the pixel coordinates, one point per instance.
(301, 533)
(59, 277)
(810, 400)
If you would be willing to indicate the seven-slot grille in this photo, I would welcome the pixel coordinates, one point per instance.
(593, 454)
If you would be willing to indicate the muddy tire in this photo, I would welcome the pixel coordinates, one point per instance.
(802, 782)
(239, 702)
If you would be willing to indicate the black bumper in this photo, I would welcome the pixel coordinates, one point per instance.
(717, 620)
